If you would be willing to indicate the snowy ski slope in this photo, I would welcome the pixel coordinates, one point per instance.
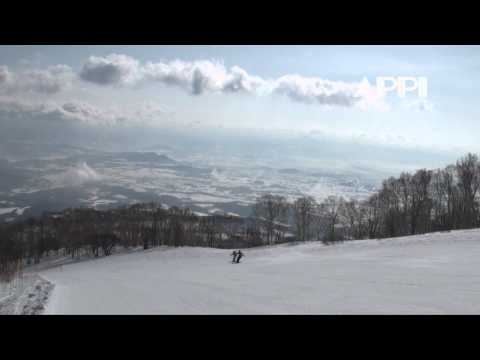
(436, 273)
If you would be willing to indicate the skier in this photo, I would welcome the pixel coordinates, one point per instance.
(234, 256)
(239, 256)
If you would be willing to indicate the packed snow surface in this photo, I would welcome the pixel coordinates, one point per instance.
(436, 273)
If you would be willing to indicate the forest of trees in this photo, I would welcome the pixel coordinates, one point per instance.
(425, 201)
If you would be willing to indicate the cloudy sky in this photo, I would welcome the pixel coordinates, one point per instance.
(326, 93)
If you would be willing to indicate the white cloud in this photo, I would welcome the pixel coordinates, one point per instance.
(15, 105)
(240, 80)
(202, 76)
(195, 77)
(83, 112)
(88, 113)
(110, 70)
(69, 111)
(46, 81)
(49, 81)
(198, 77)
(316, 90)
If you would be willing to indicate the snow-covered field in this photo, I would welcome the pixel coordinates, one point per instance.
(435, 273)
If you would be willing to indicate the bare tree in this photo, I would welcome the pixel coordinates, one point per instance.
(269, 209)
(355, 216)
(421, 202)
(303, 209)
(330, 211)
(468, 171)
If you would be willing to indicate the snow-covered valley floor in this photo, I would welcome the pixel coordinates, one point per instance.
(436, 273)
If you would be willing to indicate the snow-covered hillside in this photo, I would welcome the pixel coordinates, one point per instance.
(436, 273)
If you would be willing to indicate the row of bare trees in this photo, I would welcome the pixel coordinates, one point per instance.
(425, 201)
(428, 200)
(308, 219)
